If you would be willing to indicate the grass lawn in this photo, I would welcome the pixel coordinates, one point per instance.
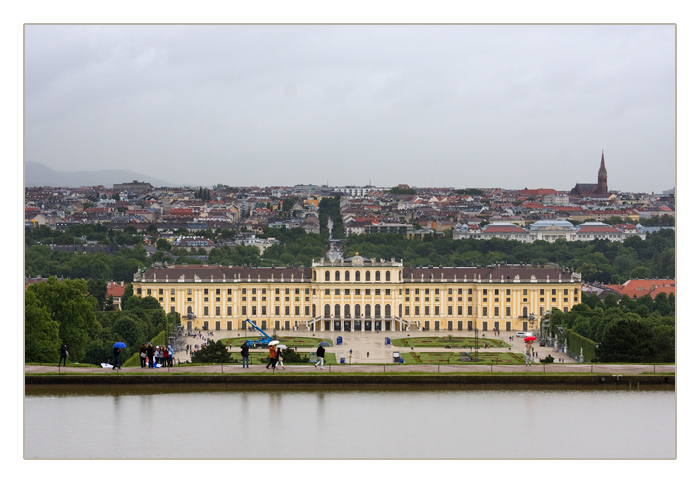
(454, 358)
(289, 341)
(447, 342)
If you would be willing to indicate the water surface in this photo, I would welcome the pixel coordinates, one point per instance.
(214, 422)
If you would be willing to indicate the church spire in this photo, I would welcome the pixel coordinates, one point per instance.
(602, 187)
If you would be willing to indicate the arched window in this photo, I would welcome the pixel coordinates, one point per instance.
(367, 279)
(377, 276)
(337, 275)
(327, 310)
(368, 311)
(358, 311)
(378, 311)
(388, 276)
(387, 311)
(328, 276)
(357, 275)
(337, 310)
(347, 311)
(347, 275)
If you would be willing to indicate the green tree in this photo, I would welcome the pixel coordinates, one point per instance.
(67, 302)
(41, 340)
(163, 244)
(130, 330)
(664, 343)
(626, 339)
(214, 352)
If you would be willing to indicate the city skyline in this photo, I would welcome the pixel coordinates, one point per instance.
(510, 106)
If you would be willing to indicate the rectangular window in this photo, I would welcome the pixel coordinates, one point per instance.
(229, 311)
(495, 311)
(459, 310)
(485, 311)
(218, 311)
(296, 311)
(263, 310)
(206, 311)
(449, 310)
(286, 311)
(507, 311)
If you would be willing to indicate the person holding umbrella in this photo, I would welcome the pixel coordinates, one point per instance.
(117, 353)
(273, 356)
(528, 350)
(278, 356)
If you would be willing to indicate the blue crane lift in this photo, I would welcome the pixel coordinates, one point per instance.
(262, 341)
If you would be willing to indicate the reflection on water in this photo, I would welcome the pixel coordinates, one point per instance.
(232, 421)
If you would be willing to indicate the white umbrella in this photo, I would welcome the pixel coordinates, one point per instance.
(273, 342)
(282, 346)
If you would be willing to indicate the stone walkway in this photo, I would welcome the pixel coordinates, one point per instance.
(371, 354)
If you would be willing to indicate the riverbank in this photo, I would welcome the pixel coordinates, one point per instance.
(355, 378)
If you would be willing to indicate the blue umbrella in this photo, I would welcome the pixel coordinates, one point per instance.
(120, 345)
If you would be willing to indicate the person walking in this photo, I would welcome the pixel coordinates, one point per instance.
(278, 358)
(117, 365)
(245, 352)
(171, 356)
(273, 356)
(320, 353)
(64, 355)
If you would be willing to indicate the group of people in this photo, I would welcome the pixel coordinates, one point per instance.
(156, 356)
(275, 357)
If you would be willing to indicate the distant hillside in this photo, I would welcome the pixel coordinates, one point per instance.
(36, 174)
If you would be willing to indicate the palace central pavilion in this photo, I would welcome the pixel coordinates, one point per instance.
(359, 294)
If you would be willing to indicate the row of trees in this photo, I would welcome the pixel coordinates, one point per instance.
(639, 330)
(601, 260)
(67, 312)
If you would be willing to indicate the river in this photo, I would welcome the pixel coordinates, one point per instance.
(223, 422)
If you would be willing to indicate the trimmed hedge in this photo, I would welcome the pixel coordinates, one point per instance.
(576, 342)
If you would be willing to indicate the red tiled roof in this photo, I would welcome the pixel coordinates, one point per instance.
(504, 229)
(598, 229)
(639, 288)
(115, 289)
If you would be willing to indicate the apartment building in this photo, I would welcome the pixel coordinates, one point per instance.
(359, 294)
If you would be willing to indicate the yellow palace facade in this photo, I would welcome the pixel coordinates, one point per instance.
(359, 294)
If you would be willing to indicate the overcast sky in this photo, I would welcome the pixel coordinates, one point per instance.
(426, 105)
